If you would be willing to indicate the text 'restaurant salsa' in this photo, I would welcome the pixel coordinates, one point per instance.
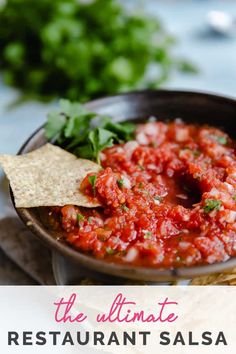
(168, 199)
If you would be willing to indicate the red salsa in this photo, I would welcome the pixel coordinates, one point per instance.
(168, 199)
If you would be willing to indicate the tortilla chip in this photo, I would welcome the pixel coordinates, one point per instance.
(48, 176)
(226, 278)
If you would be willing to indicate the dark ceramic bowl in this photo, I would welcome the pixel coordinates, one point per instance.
(191, 107)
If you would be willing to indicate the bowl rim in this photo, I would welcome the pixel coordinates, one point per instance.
(122, 269)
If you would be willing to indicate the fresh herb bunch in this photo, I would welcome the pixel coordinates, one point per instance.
(73, 128)
(81, 50)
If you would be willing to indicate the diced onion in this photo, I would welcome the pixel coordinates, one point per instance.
(127, 183)
(142, 139)
(131, 255)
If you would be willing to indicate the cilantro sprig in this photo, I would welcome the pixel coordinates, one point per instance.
(86, 49)
(73, 128)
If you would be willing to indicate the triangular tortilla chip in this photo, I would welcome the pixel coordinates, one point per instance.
(48, 176)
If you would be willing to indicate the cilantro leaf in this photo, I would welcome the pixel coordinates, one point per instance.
(71, 109)
(100, 139)
(125, 131)
(84, 151)
(110, 251)
(158, 198)
(85, 133)
(92, 180)
(55, 125)
(120, 182)
(79, 218)
(77, 125)
(71, 120)
(147, 235)
(222, 140)
(124, 207)
(211, 204)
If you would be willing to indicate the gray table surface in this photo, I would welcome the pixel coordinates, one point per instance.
(214, 56)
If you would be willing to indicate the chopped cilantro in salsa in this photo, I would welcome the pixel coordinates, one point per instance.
(92, 180)
(120, 182)
(178, 210)
(211, 204)
(222, 140)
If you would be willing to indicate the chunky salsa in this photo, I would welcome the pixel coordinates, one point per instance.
(168, 199)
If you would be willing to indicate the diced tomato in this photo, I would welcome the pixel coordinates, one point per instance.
(168, 199)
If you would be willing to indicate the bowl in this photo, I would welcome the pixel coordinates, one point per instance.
(198, 107)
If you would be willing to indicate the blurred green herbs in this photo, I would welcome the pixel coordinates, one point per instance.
(73, 128)
(81, 49)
